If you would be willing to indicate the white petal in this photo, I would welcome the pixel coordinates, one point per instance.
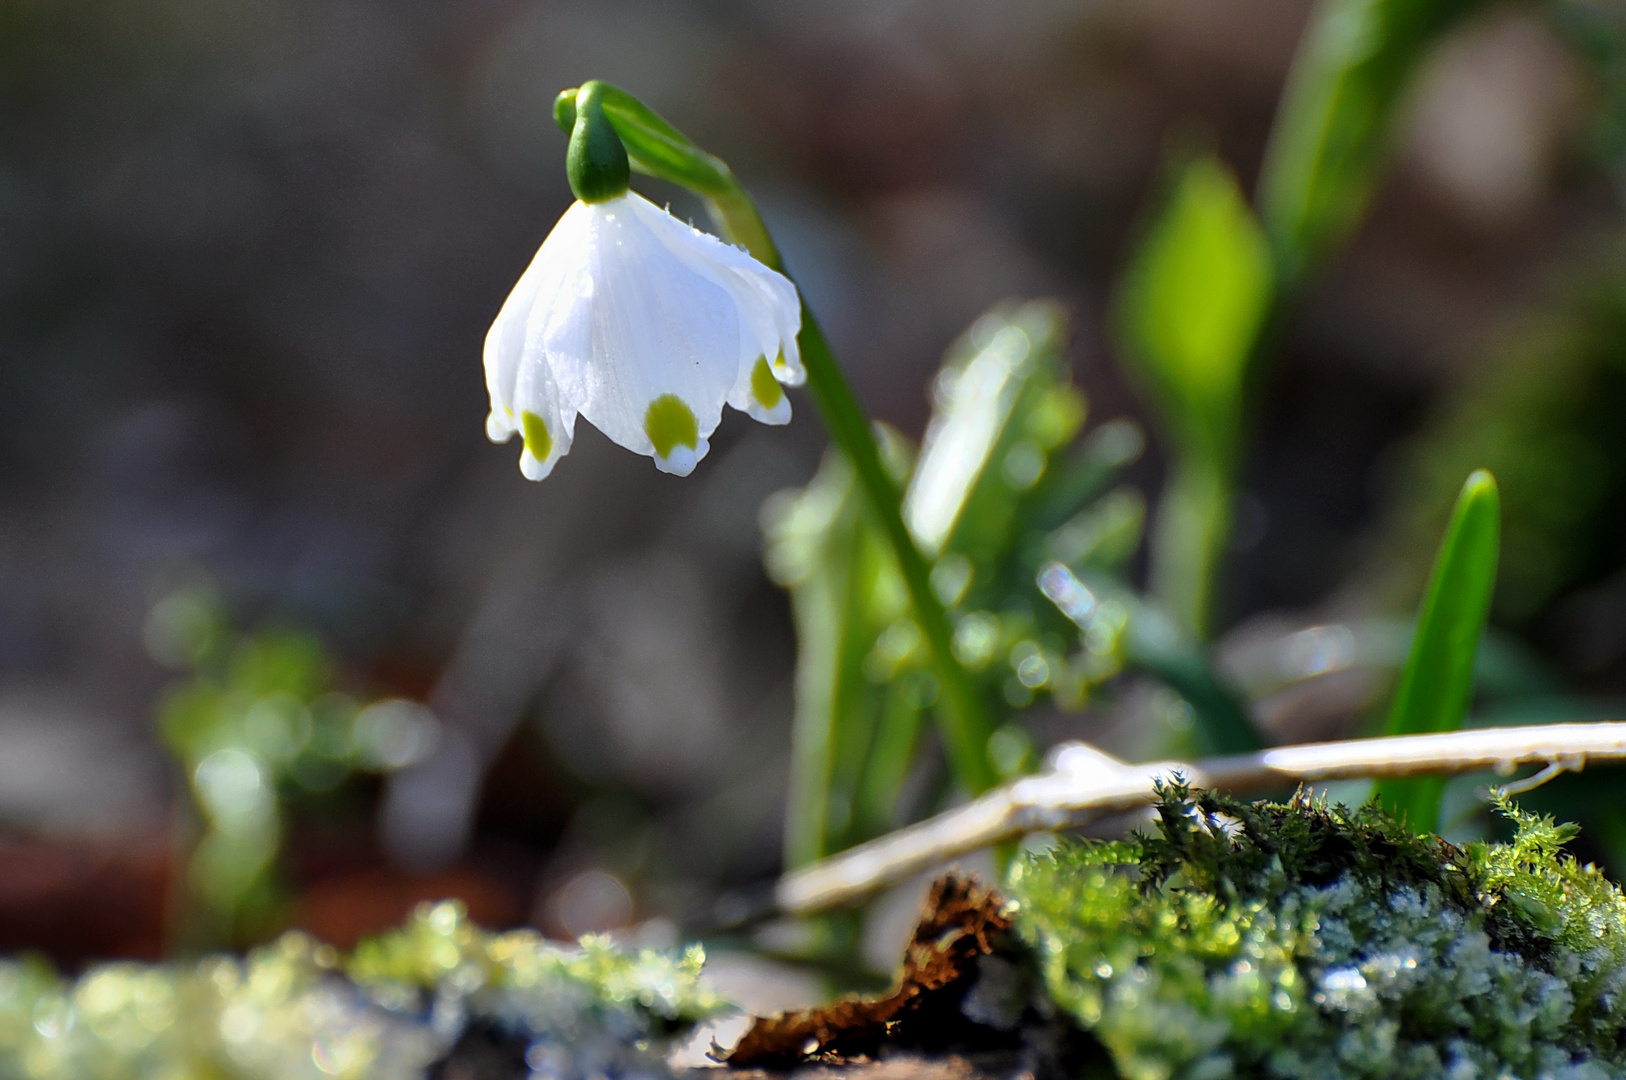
(506, 341)
(778, 296)
(767, 299)
(788, 367)
(776, 317)
(758, 394)
(646, 327)
(548, 428)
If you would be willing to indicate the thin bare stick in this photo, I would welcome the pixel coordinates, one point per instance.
(1083, 784)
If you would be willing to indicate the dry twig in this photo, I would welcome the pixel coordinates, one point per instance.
(1084, 783)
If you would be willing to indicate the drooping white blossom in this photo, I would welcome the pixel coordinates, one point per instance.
(644, 325)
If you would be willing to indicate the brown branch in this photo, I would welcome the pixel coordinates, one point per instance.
(1083, 784)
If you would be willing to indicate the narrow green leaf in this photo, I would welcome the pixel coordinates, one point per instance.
(1155, 645)
(825, 549)
(891, 755)
(1435, 687)
(1334, 124)
(1103, 535)
(1087, 472)
(1003, 405)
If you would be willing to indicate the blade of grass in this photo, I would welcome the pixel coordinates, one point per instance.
(824, 548)
(891, 755)
(1437, 682)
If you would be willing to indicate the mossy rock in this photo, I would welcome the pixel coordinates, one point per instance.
(1307, 940)
(1255, 941)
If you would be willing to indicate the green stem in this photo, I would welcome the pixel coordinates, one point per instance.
(736, 215)
(962, 715)
(1192, 530)
(887, 765)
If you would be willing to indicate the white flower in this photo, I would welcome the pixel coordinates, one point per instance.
(645, 326)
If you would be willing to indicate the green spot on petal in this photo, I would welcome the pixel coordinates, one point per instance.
(670, 423)
(764, 387)
(537, 439)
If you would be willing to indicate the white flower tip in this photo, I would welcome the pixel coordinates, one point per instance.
(498, 430)
(681, 460)
(541, 450)
(777, 414)
(533, 468)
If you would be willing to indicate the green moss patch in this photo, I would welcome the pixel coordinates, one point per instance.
(437, 997)
(1307, 940)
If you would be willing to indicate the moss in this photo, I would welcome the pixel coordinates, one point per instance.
(1308, 940)
(399, 1005)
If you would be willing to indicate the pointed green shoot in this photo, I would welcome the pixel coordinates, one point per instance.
(1194, 302)
(1435, 687)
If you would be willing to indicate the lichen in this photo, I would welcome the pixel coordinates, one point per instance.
(400, 1004)
(1308, 940)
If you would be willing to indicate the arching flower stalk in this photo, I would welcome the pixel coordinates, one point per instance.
(639, 322)
(647, 327)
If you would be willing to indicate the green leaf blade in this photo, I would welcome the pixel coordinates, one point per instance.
(1336, 120)
(1437, 683)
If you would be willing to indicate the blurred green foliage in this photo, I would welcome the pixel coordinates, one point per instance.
(1208, 716)
(258, 726)
(1543, 413)
(1597, 30)
(1337, 116)
(1193, 300)
(1200, 296)
(990, 495)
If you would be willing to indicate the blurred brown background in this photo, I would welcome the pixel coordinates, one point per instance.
(248, 252)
